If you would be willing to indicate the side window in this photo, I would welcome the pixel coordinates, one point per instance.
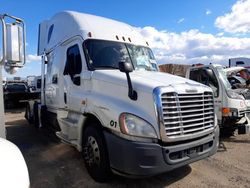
(38, 83)
(50, 32)
(195, 75)
(73, 65)
(207, 77)
(210, 80)
(50, 58)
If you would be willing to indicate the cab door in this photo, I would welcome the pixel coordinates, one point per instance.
(207, 76)
(72, 75)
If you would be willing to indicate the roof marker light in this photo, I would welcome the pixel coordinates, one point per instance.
(117, 37)
(89, 34)
(123, 38)
(129, 39)
(147, 43)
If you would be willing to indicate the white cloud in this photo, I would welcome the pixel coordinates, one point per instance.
(181, 20)
(237, 20)
(208, 12)
(33, 58)
(220, 34)
(194, 46)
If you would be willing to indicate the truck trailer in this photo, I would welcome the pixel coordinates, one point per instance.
(239, 61)
(103, 95)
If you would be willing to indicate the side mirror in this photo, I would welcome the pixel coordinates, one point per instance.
(125, 67)
(13, 43)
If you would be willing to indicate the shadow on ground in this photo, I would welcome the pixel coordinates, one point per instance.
(16, 110)
(235, 140)
(53, 164)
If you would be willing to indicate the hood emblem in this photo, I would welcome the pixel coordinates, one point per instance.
(191, 90)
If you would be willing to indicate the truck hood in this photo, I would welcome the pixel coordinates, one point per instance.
(143, 80)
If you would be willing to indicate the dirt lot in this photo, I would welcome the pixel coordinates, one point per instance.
(53, 164)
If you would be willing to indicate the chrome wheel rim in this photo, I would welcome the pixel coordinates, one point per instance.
(91, 152)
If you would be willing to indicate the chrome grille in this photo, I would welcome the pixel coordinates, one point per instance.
(187, 114)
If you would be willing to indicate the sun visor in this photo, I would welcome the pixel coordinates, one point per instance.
(42, 37)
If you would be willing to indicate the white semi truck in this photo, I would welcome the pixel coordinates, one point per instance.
(103, 95)
(230, 107)
(13, 169)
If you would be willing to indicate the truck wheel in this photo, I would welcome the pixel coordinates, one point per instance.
(95, 154)
(227, 132)
(28, 114)
(35, 115)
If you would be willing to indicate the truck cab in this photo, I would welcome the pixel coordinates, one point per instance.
(34, 83)
(230, 107)
(104, 95)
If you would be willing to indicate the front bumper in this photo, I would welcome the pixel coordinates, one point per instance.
(140, 159)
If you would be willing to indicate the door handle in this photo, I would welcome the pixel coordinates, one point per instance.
(65, 97)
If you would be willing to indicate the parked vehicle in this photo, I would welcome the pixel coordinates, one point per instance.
(230, 107)
(34, 83)
(240, 82)
(103, 96)
(240, 61)
(14, 92)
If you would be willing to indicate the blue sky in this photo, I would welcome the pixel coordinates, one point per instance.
(162, 18)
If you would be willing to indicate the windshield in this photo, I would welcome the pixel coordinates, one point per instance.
(38, 84)
(107, 55)
(223, 77)
(15, 88)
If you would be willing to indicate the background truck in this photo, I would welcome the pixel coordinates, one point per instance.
(14, 92)
(34, 84)
(103, 95)
(17, 92)
(239, 61)
(230, 107)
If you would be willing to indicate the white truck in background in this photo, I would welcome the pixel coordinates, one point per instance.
(34, 84)
(13, 169)
(103, 95)
(240, 61)
(230, 107)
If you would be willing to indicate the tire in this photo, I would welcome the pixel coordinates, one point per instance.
(95, 154)
(35, 115)
(28, 114)
(227, 132)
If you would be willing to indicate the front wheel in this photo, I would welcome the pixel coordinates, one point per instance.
(95, 154)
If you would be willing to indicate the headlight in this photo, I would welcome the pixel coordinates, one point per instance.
(234, 95)
(135, 126)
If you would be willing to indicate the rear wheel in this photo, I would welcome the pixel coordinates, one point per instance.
(35, 114)
(95, 154)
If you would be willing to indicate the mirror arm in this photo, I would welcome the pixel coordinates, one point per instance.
(3, 39)
(24, 38)
(131, 92)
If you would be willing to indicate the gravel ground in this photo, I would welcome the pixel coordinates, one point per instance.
(53, 164)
